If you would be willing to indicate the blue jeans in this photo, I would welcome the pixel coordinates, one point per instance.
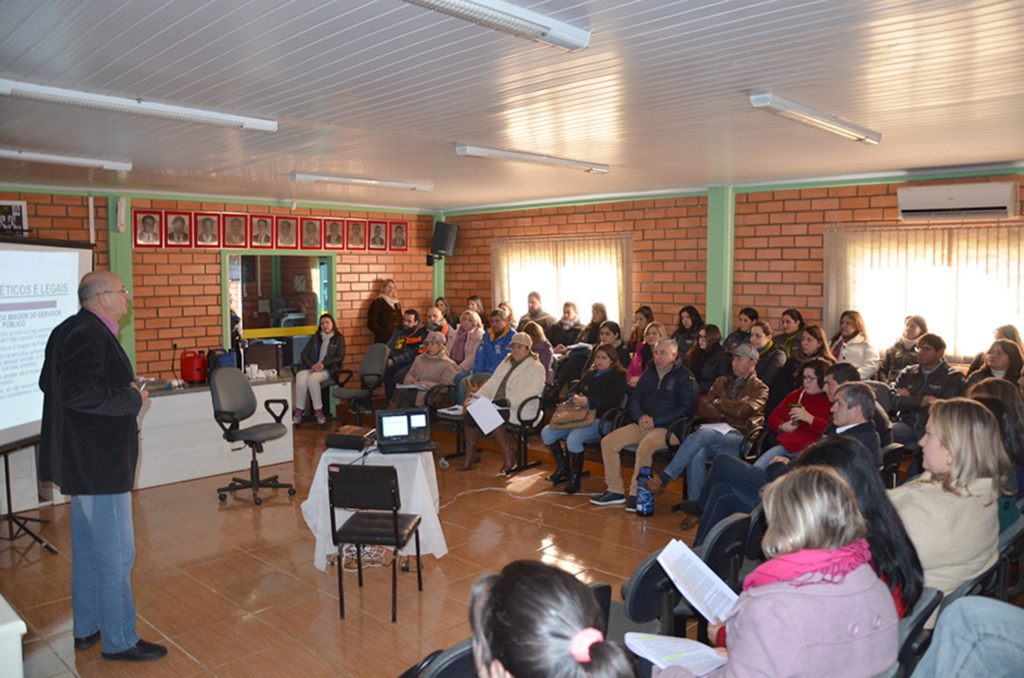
(103, 553)
(693, 455)
(732, 486)
(769, 454)
(461, 384)
(976, 636)
(574, 437)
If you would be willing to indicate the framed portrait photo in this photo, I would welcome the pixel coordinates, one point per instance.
(312, 229)
(334, 234)
(356, 234)
(148, 228)
(378, 235)
(261, 231)
(14, 217)
(233, 228)
(398, 238)
(207, 229)
(178, 229)
(286, 230)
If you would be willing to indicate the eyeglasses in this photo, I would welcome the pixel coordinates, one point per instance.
(810, 377)
(123, 291)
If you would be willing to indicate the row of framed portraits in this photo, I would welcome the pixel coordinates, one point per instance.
(162, 228)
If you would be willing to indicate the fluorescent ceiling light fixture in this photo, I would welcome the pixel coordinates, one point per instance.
(66, 160)
(512, 19)
(70, 97)
(359, 181)
(773, 103)
(516, 156)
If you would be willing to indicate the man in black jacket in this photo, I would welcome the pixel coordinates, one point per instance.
(666, 392)
(89, 447)
(918, 386)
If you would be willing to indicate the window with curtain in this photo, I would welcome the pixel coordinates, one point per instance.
(584, 270)
(965, 280)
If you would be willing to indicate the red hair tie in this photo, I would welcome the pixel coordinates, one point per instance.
(579, 646)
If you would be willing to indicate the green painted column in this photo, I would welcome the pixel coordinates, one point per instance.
(438, 268)
(119, 254)
(721, 238)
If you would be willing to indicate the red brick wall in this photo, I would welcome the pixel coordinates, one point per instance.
(66, 217)
(177, 291)
(669, 248)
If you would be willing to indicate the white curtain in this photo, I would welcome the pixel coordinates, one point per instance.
(964, 280)
(583, 270)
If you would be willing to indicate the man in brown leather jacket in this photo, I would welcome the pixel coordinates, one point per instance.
(730, 410)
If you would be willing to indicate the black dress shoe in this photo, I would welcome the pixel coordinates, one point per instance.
(142, 652)
(87, 642)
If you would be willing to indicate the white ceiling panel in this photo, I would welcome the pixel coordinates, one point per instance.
(385, 89)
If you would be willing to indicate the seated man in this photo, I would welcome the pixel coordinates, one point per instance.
(405, 345)
(535, 314)
(918, 386)
(738, 403)
(436, 323)
(666, 392)
(492, 350)
(734, 486)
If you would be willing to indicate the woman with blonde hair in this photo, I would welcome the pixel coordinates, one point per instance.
(385, 312)
(798, 610)
(645, 352)
(950, 510)
(462, 344)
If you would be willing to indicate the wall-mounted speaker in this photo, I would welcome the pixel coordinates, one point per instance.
(445, 235)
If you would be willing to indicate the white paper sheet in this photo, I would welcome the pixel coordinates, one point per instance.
(485, 414)
(665, 651)
(720, 427)
(705, 590)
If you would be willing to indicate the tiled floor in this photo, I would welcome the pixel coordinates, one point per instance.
(231, 588)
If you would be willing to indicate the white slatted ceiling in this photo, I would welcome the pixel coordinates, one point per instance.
(385, 89)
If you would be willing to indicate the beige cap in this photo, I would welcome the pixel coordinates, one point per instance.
(522, 338)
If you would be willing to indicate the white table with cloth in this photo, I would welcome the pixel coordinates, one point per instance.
(417, 487)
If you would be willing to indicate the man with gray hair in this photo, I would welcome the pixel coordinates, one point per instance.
(89, 447)
(852, 408)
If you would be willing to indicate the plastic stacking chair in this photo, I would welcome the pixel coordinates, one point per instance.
(371, 375)
(233, 402)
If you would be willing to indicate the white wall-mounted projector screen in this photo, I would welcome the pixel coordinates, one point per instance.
(38, 291)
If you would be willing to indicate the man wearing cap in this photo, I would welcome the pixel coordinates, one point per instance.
(519, 377)
(730, 410)
(666, 392)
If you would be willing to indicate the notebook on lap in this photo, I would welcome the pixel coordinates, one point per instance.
(403, 431)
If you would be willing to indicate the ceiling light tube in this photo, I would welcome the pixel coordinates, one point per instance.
(516, 156)
(360, 181)
(773, 103)
(70, 97)
(508, 18)
(66, 160)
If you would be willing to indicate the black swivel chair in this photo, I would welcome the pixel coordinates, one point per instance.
(233, 403)
(371, 375)
(371, 491)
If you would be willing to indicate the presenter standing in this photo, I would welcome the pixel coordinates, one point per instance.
(89, 448)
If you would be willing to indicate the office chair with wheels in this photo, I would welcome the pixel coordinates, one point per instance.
(372, 492)
(371, 375)
(234, 402)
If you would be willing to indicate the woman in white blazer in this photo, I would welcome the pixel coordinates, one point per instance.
(851, 345)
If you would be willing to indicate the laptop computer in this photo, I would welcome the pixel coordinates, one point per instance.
(403, 431)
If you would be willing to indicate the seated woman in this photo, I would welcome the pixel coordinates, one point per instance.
(690, 323)
(1003, 361)
(449, 315)
(1010, 434)
(707, 360)
(462, 345)
(816, 608)
(813, 344)
(643, 317)
(769, 363)
(320, 361)
(792, 329)
(1011, 396)
(574, 363)
(803, 415)
(950, 510)
(1002, 332)
(566, 330)
(904, 352)
(589, 333)
(741, 335)
(507, 307)
(536, 621)
(850, 345)
(475, 304)
(518, 377)
(430, 369)
(542, 347)
(644, 353)
(601, 388)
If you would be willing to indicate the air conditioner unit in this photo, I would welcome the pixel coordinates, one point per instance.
(993, 200)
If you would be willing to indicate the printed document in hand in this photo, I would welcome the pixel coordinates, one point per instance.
(485, 414)
(720, 427)
(705, 590)
(663, 651)
(415, 387)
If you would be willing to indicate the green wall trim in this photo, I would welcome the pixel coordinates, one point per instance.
(119, 257)
(721, 237)
(896, 178)
(574, 203)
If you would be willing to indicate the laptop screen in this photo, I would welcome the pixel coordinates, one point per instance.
(399, 426)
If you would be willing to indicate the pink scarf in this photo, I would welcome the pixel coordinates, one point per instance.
(458, 350)
(811, 566)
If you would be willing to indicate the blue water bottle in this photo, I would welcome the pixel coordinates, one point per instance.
(644, 498)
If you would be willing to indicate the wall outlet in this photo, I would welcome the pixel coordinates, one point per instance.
(264, 305)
